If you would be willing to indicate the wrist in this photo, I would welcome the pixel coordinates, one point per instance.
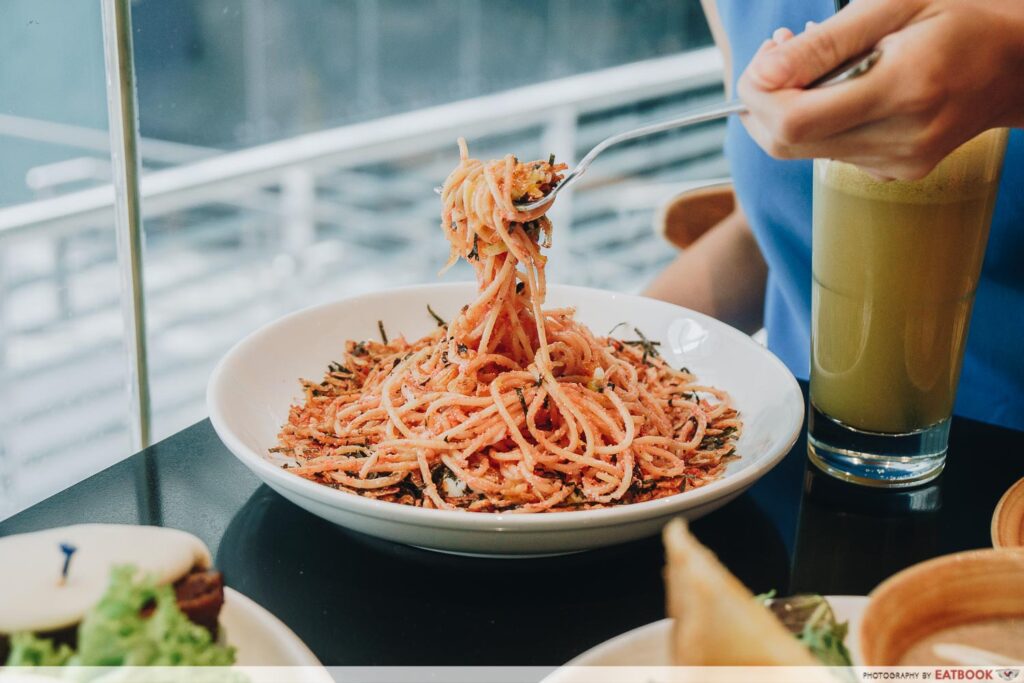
(1012, 28)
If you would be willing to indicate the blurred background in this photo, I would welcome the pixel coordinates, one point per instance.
(289, 150)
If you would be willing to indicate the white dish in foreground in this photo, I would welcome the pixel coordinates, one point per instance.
(260, 638)
(252, 388)
(648, 646)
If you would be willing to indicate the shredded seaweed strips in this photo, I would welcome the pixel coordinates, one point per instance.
(435, 316)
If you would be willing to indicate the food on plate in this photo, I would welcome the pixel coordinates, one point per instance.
(109, 595)
(718, 622)
(507, 407)
(810, 618)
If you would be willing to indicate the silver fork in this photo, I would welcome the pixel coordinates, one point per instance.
(845, 72)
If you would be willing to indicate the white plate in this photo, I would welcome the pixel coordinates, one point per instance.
(251, 389)
(260, 638)
(266, 651)
(648, 646)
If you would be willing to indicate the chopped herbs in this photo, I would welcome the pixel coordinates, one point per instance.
(649, 346)
(551, 159)
(383, 334)
(435, 316)
(408, 488)
(522, 399)
(448, 485)
(717, 441)
(532, 228)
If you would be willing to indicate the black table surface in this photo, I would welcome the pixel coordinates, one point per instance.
(359, 601)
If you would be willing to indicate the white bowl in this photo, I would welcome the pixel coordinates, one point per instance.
(252, 388)
(261, 639)
(649, 646)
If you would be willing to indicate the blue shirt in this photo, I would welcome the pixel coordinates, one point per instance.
(776, 196)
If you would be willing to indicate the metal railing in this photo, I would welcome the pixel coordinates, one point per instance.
(239, 238)
(554, 106)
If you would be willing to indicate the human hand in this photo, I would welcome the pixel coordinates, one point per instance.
(950, 69)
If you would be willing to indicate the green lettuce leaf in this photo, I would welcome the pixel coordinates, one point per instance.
(27, 649)
(135, 623)
(811, 620)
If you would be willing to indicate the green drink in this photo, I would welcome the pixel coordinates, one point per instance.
(896, 265)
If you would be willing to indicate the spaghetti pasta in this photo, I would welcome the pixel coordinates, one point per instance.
(509, 407)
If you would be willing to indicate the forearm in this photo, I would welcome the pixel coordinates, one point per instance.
(1012, 22)
(721, 41)
(722, 274)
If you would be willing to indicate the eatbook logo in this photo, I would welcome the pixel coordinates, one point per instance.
(1008, 674)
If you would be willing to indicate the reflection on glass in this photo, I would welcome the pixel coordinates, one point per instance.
(63, 400)
(882, 531)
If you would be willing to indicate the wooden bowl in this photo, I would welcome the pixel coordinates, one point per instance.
(975, 585)
(1008, 519)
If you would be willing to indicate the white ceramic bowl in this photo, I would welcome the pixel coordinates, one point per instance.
(649, 646)
(252, 388)
(261, 639)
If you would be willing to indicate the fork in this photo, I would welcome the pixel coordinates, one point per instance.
(844, 72)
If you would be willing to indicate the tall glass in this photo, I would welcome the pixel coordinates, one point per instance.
(896, 266)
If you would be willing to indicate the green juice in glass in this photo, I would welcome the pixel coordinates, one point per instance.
(895, 267)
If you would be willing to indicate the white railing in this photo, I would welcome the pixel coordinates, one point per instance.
(554, 105)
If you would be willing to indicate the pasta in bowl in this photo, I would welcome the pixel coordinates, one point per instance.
(504, 402)
(253, 388)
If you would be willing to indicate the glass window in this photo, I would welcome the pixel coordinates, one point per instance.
(64, 410)
(290, 149)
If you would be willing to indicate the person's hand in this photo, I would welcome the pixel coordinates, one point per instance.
(949, 70)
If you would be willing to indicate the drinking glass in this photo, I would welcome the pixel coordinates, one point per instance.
(896, 266)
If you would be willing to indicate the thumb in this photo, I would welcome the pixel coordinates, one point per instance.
(823, 47)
